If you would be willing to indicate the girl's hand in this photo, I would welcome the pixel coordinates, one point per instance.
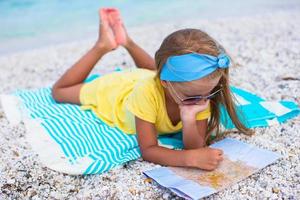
(106, 40)
(205, 158)
(189, 112)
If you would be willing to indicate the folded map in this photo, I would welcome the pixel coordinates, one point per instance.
(240, 161)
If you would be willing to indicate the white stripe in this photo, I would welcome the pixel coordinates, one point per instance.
(52, 156)
(272, 121)
(115, 146)
(275, 107)
(240, 100)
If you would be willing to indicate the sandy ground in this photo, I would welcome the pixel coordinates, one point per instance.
(266, 49)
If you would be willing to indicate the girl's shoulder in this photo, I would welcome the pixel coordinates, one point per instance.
(148, 83)
(150, 90)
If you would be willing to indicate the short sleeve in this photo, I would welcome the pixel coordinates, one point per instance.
(205, 114)
(141, 102)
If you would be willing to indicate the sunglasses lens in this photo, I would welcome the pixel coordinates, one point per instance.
(191, 101)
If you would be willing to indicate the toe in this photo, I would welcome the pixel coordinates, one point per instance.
(114, 17)
(116, 24)
(103, 16)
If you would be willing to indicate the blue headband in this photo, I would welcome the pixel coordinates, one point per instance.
(192, 66)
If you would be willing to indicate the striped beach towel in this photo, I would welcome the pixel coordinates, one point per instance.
(73, 141)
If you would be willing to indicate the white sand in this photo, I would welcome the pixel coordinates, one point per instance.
(266, 49)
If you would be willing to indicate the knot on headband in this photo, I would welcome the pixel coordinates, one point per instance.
(192, 66)
(223, 61)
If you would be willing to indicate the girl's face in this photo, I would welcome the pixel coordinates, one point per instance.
(182, 90)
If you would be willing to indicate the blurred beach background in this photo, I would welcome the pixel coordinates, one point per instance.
(40, 40)
(27, 24)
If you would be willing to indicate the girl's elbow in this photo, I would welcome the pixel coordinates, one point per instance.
(144, 156)
(147, 157)
(147, 153)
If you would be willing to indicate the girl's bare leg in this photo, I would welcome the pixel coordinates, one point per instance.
(141, 58)
(67, 88)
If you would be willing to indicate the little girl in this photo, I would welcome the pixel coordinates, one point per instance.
(181, 90)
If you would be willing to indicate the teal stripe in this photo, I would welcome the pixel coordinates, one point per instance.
(91, 168)
(69, 133)
(64, 148)
(66, 132)
(295, 110)
(246, 95)
(107, 145)
(53, 127)
(66, 137)
(118, 142)
(77, 133)
(63, 120)
(92, 139)
(97, 140)
(128, 139)
(115, 140)
(107, 137)
(64, 143)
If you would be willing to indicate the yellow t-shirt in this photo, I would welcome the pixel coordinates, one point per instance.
(116, 98)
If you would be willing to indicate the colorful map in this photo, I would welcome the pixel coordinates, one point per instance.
(240, 161)
(227, 173)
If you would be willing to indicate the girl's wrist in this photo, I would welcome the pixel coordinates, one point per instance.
(188, 120)
(189, 159)
(187, 117)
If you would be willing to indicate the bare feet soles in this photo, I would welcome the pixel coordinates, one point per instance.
(117, 26)
(106, 36)
(112, 32)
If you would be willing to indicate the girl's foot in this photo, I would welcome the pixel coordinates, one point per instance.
(106, 38)
(117, 26)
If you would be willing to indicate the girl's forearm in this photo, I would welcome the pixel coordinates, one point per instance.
(141, 58)
(192, 138)
(81, 69)
(164, 156)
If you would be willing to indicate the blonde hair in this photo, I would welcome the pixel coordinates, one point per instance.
(186, 40)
